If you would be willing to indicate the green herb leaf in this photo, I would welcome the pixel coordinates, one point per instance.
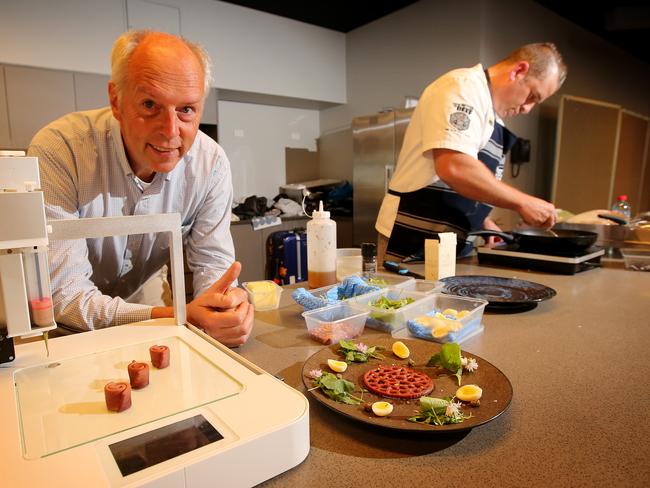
(337, 389)
(448, 358)
(434, 360)
(377, 281)
(353, 355)
(386, 303)
(433, 411)
(348, 345)
(433, 404)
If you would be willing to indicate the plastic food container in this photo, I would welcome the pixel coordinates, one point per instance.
(385, 280)
(328, 325)
(636, 259)
(423, 286)
(348, 262)
(264, 295)
(392, 319)
(441, 324)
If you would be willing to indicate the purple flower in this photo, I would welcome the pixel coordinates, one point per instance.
(361, 347)
(315, 373)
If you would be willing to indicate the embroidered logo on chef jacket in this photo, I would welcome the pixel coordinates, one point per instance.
(460, 118)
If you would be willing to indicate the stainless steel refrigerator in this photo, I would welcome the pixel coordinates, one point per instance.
(376, 142)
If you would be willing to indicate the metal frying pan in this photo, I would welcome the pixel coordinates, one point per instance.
(554, 241)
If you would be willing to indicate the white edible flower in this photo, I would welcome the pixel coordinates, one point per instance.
(361, 347)
(471, 365)
(453, 409)
(315, 373)
(463, 361)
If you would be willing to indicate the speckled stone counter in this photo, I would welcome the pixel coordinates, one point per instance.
(579, 366)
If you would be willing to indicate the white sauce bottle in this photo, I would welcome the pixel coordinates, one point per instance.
(321, 249)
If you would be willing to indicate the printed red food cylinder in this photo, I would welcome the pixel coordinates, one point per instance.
(159, 356)
(117, 396)
(138, 375)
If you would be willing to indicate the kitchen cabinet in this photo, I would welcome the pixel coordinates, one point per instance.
(5, 139)
(249, 250)
(35, 97)
(91, 91)
(631, 160)
(601, 152)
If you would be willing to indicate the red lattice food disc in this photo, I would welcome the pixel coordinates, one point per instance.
(397, 382)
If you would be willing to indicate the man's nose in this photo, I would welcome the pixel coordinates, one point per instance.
(169, 123)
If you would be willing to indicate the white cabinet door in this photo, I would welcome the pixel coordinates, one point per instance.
(91, 91)
(35, 98)
(5, 139)
(210, 108)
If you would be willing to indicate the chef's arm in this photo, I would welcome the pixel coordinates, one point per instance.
(472, 179)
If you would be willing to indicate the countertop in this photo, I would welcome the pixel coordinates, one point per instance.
(579, 367)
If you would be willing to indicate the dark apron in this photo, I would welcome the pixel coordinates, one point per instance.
(424, 213)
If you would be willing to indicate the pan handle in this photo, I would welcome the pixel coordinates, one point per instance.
(613, 218)
(509, 238)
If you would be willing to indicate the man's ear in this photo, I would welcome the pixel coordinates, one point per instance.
(519, 70)
(112, 96)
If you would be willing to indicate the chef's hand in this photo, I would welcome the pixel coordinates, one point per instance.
(223, 311)
(537, 212)
(489, 224)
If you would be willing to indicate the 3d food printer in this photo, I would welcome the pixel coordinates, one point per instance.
(197, 423)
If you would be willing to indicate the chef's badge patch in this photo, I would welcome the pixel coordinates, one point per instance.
(460, 118)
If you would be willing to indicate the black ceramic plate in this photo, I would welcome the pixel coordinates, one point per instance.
(497, 291)
(497, 390)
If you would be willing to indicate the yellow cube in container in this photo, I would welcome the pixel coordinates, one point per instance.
(264, 295)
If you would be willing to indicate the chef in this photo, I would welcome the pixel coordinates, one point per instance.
(448, 174)
(143, 155)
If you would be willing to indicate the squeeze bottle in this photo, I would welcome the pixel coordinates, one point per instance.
(321, 249)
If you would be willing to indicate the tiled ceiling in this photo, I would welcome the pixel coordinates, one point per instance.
(623, 23)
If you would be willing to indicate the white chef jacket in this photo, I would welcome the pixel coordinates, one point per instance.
(454, 112)
(85, 173)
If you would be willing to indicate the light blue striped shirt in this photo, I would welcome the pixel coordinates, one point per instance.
(85, 173)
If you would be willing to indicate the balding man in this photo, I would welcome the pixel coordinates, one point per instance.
(143, 155)
(447, 177)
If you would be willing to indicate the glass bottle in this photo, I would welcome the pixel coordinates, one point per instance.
(622, 205)
(369, 258)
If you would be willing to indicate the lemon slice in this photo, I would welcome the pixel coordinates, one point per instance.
(469, 393)
(400, 350)
(462, 314)
(440, 332)
(338, 366)
(381, 409)
(425, 321)
(450, 311)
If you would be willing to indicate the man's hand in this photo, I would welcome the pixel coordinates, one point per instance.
(489, 224)
(537, 212)
(223, 312)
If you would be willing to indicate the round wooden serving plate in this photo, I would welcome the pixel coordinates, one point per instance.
(497, 390)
